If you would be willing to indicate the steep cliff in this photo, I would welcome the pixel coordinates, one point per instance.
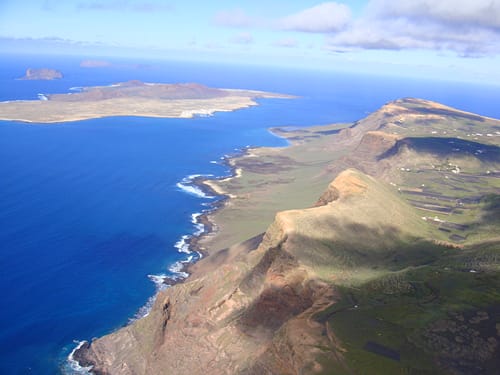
(256, 315)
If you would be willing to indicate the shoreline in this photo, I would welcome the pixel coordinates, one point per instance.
(191, 241)
(206, 185)
(184, 114)
(181, 269)
(221, 197)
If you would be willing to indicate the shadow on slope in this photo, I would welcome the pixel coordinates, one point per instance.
(445, 147)
(440, 318)
(361, 247)
(491, 209)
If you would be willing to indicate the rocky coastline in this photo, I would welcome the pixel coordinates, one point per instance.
(209, 226)
(78, 355)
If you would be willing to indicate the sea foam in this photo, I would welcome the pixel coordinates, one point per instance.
(187, 186)
(176, 270)
(159, 281)
(200, 227)
(72, 367)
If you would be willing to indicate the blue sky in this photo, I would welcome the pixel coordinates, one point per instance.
(450, 39)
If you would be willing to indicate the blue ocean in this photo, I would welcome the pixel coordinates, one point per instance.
(90, 209)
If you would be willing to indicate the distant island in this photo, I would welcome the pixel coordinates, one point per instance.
(41, 74)
(132, 98)
(95, 64)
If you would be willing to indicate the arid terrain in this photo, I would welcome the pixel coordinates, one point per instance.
(133, 98)
(371, 247)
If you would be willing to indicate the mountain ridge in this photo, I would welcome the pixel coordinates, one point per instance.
(399, 251)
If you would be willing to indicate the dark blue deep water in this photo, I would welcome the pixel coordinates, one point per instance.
(89, 209)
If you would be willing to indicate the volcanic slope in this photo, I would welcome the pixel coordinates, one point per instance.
(394, 267)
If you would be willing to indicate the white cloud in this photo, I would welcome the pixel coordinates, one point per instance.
(456, 13)
(234, 18)
(124, 5)
(325, 17)
(212, 45)
(48, 39)
(469, 28)
(287, 43)
(322, 18)
(242, 38)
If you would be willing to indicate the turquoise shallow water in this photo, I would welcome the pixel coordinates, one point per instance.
(89, 209)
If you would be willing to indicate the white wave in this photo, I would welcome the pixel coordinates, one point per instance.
(72, 367)
(175, 269)
(200, 227)
(178, 266)
(195, 216)
(159, 281)
(42, 97)
(191, 177)
(193, 190)
(76, 88)
(144, 310)
(182, 245)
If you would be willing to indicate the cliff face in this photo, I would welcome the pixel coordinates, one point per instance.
(374, 278)
(254, 316)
